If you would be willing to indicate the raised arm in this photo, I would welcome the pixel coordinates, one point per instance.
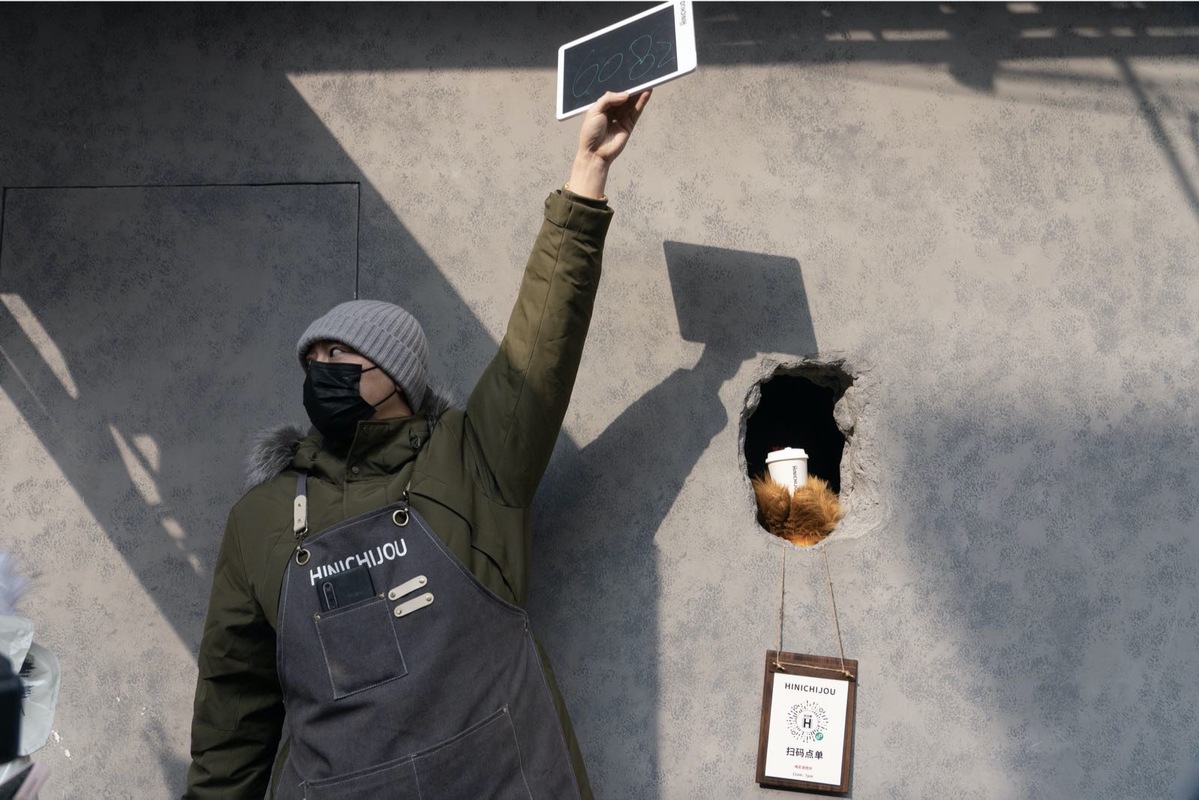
(516, 410)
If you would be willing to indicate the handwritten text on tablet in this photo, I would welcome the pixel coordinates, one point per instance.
(629, 56)
(643, 56)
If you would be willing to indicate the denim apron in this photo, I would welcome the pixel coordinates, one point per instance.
(425, 686)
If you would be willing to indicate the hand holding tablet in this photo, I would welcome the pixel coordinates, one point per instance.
(652, 47)
(607, 128)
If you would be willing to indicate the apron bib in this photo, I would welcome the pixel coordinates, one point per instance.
(404, 678)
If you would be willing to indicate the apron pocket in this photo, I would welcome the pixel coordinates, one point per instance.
(483, 763)
(480, 763)
(360, 647)
(394, 782)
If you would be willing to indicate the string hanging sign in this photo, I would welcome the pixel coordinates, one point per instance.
(806, 737)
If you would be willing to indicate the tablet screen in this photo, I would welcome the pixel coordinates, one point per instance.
(632, 54)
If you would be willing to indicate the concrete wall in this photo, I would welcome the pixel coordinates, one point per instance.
(988, 213)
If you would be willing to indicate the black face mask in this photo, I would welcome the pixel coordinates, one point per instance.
(333, 398)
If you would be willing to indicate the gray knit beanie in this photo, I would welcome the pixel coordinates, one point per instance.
(385, 333)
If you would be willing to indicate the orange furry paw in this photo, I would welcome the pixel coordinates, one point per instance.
(804, 518)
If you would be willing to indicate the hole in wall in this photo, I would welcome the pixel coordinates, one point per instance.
(796, 409)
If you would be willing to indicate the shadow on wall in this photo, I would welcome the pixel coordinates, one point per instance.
(970, 39)
(740, 304)
(136, 332)
(601, 507)
(1080, 598)
(141, 339)
(109, 96)
(975, 42)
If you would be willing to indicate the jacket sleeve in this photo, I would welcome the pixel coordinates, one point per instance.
(238, 713)
(516, 409)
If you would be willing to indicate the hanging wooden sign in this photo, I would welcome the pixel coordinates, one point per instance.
(806, 738)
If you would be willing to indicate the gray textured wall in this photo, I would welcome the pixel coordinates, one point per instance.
(989, 213)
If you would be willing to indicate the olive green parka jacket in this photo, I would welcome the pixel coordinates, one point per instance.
(471, 473)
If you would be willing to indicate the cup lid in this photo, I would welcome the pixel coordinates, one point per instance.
(786, 454)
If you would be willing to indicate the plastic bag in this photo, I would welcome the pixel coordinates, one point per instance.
(36, 665)
(40, 674)
(16, 635)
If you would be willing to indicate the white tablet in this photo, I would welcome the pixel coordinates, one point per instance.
(653, 47)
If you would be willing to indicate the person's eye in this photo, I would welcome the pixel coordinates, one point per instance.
(334, 352)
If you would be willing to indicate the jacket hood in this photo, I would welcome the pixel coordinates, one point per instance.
(272, 450)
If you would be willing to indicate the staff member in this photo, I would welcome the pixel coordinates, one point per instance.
(367, 598)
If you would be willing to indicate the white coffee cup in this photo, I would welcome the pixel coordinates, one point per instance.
(789, 467)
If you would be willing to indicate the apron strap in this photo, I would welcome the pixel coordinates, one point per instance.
(300, 517)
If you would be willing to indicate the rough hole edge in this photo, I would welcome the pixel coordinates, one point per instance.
(855, 415)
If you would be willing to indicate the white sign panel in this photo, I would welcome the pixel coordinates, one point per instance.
(807, 729)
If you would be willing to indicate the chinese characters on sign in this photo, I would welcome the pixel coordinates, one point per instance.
(798, 752)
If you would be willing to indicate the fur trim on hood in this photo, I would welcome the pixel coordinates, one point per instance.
(273, 449)
(270, 453)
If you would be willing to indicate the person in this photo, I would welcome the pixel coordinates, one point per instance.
(365, 634)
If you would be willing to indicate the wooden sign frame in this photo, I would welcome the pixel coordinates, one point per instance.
(776, 740)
